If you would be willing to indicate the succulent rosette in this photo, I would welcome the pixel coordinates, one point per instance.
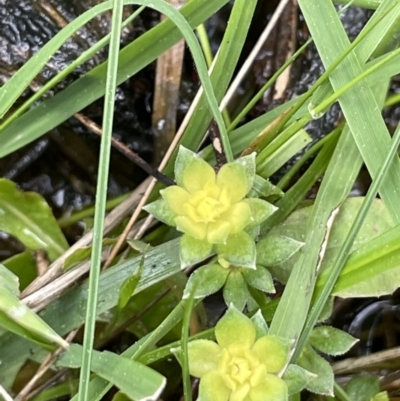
(242, 365)
(212, 209)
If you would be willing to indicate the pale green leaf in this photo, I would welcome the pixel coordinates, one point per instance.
(260, 210)
(134, 379)
(260, 324)
(371, 270)
(331, 341)
(18, 318)
(378, 221)
(276, 249)
(235, 290)
(264, 188)
(239, 250)
(361, 388)
(205, 281)
(259, 278)
(8, 281)
(235, 326)
(26, 216)
(193, 250)
(161, 211)
(249, 162)
(314, 363)
(297, 378)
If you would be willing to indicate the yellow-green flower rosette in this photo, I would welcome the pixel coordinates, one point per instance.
(212, 209)
(240, 366)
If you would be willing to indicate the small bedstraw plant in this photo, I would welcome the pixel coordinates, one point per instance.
(243, 365)
(212, 211)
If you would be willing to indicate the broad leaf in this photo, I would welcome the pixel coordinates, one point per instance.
(134, 379)
(377, 222)
(297, 378)
(26, 216)
(331, 341)
(361, 388)
(206, 280)
(314, 363)
(235, 290)
(18, 318)
(276, 249)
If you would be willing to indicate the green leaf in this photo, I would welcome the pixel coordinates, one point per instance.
(24, 266)
(297, 378)
(206, 280)
(76, 257)
(362, 388)
(249, 162)
(264, 188)
(377, 222)
(260, 210)
(8, 280)
(331, 341)
(239, 250)
(132, 59)
(26, 216)
(235, 290)
(274, 250)
(327, 310)
(161, 211)
(193, 250)
(16, 317)
(191, 171)
(233, 327)
(128, 287)
(314, 363)
(134, 379)
(371, 270)
(259, 278)
(260, 324)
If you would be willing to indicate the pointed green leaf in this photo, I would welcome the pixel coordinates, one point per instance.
(233, 179)
(235, 290)
(239, 250)
(260, 210)
(193, 250)
(128, 287)
(260, 324)
(331, 341)
(26, 216)
(314, 363)
(161, 211)
(8, 281)
(264, 188)
(297, 378)
(191, 171)
(206, 280)
(233, 327)
(378, 221)
(18, 318)
(134, 379)
(249, 162)
(259, 278)
(361, 388)
(276, 249)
